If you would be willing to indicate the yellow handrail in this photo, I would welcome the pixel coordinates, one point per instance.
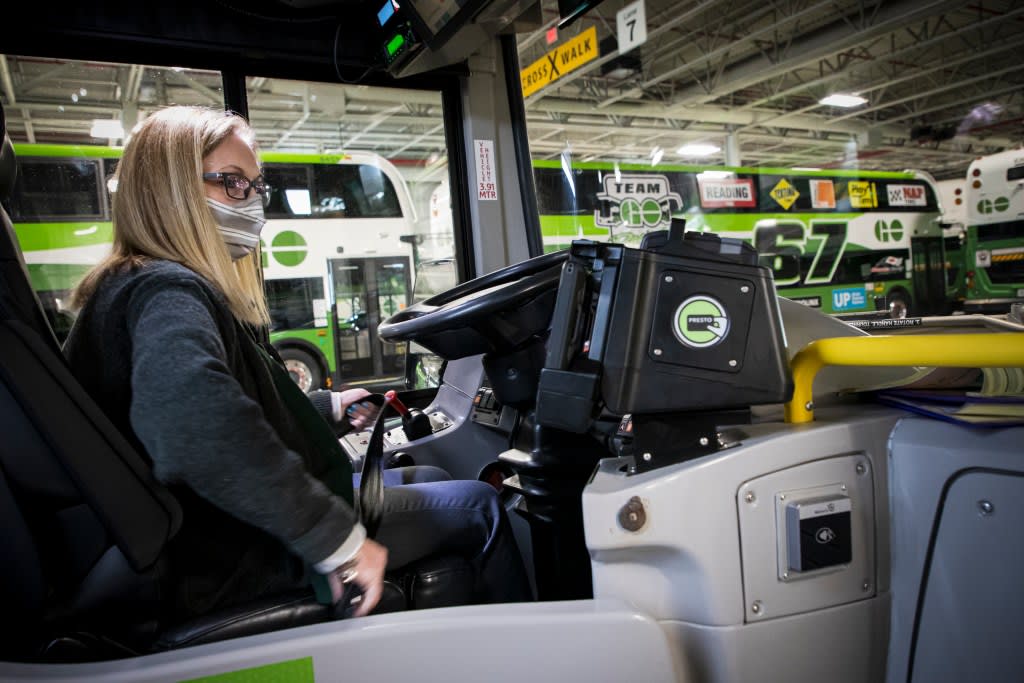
(925, 350)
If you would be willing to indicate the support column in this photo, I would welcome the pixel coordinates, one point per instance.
(732, 150)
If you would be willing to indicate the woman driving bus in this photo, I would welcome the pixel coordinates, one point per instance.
(164, 343)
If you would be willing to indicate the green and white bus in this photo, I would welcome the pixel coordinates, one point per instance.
(993, 242)
(844, 241)
(337, 249)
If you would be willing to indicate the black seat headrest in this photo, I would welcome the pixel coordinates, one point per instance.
(8, 167)
(17, 299)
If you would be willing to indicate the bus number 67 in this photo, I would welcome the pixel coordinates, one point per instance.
(782, 244)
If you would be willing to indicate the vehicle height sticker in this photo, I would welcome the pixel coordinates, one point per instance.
(700, 322)
(486, 179)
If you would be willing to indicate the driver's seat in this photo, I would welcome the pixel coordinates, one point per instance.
(84, 525)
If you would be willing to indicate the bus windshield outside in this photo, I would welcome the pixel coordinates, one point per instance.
(337, 249)
(846, 242)
(993, 244)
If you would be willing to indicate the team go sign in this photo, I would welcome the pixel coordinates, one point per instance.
(634, 202)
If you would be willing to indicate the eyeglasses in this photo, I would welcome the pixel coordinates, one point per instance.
(237, 186)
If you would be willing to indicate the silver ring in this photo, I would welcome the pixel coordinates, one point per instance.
(348, 575)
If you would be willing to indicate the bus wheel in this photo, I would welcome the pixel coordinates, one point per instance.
(303, 368)
(899, 305)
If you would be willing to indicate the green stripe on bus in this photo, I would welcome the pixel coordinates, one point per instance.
(292, 671)
(293, 158)
(97, 152)
(569, 226)
(877, 290)
(744, 222)
(88, 151)
(43, 236)
(827, 173)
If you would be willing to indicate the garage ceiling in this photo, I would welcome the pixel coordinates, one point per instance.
(943, 82)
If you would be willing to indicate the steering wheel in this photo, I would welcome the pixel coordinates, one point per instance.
(490, 314)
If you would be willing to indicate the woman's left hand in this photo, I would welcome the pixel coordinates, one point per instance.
(361, 414)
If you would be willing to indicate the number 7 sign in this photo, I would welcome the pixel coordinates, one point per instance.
(631, 22)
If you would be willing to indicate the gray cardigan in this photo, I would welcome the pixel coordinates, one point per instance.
(158, 349)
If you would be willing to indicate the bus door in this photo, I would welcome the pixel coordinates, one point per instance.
(929, 274)
(367, 291)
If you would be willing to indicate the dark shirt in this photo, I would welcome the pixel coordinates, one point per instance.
(158, 349)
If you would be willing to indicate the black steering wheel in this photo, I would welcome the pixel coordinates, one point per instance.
(490, 314)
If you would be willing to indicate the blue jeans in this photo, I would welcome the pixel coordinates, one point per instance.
(427, 514)
(417, 474)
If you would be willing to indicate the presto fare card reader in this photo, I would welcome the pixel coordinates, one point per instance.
(683, 333)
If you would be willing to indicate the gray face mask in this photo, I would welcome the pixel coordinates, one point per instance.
(239, 224)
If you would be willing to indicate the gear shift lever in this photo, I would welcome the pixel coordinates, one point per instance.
(415, 422)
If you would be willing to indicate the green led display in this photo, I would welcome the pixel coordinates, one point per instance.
(395, 44)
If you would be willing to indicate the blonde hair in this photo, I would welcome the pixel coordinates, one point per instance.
(160, 209)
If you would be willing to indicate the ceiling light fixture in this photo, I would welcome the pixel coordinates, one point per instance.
(715, 175)
(107, 128)
(842, 100)
(698, 149)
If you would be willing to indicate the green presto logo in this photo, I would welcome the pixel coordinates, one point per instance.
(288, 248)
(700, 322)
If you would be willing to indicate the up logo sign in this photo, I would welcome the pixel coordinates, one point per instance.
(636, 202)
(849, 299)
